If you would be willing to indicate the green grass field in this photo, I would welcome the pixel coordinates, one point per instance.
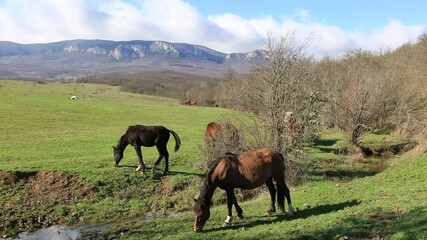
(42, 129)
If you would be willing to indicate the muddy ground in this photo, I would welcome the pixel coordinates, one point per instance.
(30, 200)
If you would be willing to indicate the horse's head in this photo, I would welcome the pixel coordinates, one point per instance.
(202, 212)
(118, 155)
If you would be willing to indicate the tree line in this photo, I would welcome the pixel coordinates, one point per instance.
(361, 91)
(382, 91)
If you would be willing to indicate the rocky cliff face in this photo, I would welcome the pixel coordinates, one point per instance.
(76, 58)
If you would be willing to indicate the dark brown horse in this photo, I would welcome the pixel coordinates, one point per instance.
(147, 136)
(215, 130)
(247, 171)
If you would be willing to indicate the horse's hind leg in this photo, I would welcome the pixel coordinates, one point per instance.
(141, 162)
(239, 210)
(282, 192)
(163, 152)
(272, 190)
(280, 196)
(166, 161)
(288, 198)
(157, 162)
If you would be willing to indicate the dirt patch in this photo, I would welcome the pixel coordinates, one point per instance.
(387, 151)
(31, 200)
(420, 148)
(394, 214)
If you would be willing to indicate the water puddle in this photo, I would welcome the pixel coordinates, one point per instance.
(64, 233)
(79, 232)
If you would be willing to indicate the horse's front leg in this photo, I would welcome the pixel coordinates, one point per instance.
(141, 166)
(230, 200)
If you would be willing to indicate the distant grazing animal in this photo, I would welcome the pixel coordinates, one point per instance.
(215, 130)
(248, 170)
(294, 129)
(189, 102)
(147, 136)
(74, 97)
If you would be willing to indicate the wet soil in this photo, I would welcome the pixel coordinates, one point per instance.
(31, 200)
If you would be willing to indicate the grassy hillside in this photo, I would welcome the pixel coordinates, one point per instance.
(42, 129)
(56, 168)
(388, 205)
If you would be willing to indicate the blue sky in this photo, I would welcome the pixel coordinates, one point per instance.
(330, 27)
(363, 15)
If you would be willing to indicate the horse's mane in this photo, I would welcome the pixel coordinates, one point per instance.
(123, 139)
(205, 192)
(134, 127)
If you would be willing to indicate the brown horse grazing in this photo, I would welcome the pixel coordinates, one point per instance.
(215, 130)
(189, 102)
(147, 136)
(247, 171)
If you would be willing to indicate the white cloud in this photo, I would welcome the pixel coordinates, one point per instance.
(178, 21)
(393, 35)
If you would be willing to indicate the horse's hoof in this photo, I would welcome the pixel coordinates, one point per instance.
(240, 216)
(226, 224)
(270, 211)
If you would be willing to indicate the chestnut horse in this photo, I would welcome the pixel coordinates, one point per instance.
(294, 129)
(147, 136)
(189, 102)
(215, 130)
(249, 170)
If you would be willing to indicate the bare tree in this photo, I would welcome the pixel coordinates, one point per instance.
(224, 91)
(284, 82)
(370, 92)
(411, 109)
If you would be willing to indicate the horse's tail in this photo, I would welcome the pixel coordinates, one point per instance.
(177, 140)
(283, 159)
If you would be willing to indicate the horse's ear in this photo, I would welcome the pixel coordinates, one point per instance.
(114, 148)
(195, 200)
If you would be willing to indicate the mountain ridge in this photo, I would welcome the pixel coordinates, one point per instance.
(71, 59)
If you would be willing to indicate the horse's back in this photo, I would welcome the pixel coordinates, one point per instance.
(252, 169)
(212, 130)
(261, 158)
(147, 135)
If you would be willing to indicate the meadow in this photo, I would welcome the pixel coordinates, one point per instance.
(43, 131)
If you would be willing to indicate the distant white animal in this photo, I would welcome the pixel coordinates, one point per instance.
(74, 97)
